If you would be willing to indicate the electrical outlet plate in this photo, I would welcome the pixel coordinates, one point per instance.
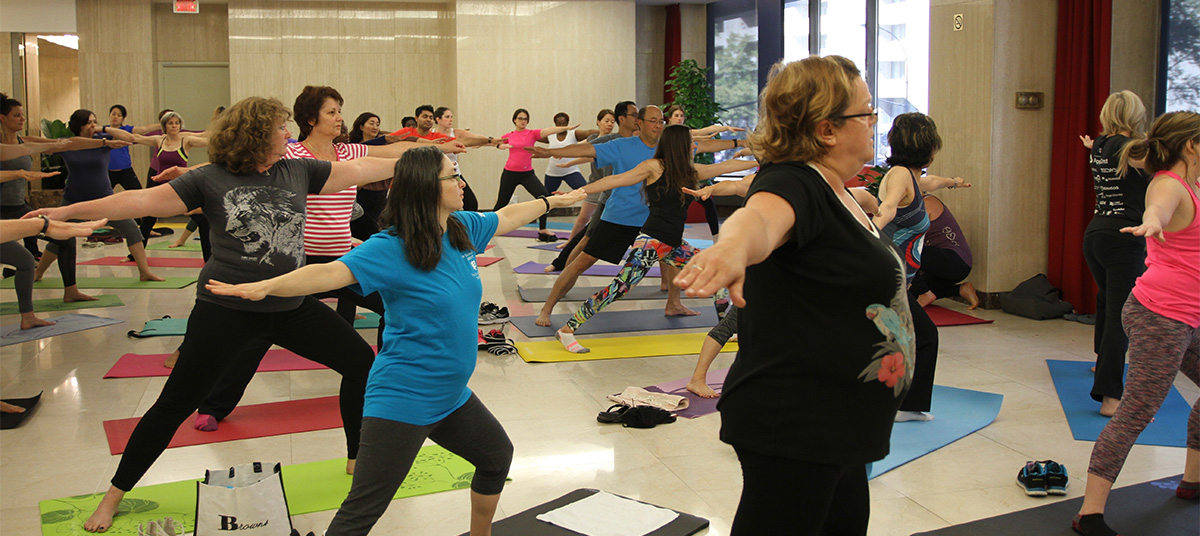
(1030, 100)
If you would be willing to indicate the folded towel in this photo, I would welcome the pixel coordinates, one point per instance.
(605, 514)
(636, 396)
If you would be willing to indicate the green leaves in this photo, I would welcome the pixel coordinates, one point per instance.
(689, 83)
(58, 516)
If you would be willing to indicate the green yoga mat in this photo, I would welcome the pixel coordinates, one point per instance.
(310, 487)
(56, 304)
(161, 245)
(108, 282)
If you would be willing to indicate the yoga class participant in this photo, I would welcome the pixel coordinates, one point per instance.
(256, 202)
(518, 170)
(1161, 315)
(665, 178)
(444, 124)
(914, 141)
(559, 170)
(605, 121)
(423, 264)
(371, 197)
(16, 256)
(945, 260)
(814, 279)
(1115, 259)
(677, 116)
(120, 166)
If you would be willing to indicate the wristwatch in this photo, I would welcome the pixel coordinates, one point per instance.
(45, 225)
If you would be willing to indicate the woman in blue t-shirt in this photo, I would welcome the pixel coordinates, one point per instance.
(423, 264)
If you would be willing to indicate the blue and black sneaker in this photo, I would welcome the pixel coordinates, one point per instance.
(1056, 478)
(1032, 479)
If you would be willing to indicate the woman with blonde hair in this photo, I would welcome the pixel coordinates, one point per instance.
(824, 310)
(1115, 259)
(1161, 315)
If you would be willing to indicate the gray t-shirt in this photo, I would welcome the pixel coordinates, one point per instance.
(257, 224)
(12, 193)
(601, 172)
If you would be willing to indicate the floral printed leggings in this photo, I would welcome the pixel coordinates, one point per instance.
(1158, 348)
(637, 264)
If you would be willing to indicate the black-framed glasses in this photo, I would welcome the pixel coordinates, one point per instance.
(872, 116)
(454, 177)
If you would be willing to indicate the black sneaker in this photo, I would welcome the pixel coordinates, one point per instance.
(490, 313)
(494, 335)
(1056, 478)
(543, 237)
(1032, 479)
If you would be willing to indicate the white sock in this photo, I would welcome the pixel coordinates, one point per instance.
(918, 416)
(568, 341)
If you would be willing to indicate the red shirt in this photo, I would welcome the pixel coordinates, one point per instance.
(412, 131)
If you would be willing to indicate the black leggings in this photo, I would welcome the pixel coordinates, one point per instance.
(389, 448)
(218, 337)
(147, 222)
(66, 248)
(228, 392)
(798, 498)
(125, 178)
(1116, 260)
(920, 394)
(941, 272)
(508, 184)
(710, 214)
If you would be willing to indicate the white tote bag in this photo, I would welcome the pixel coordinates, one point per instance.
(244, 500)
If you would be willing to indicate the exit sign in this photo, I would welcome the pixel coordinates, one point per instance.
(187, 6)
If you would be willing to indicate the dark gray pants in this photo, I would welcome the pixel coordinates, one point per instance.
(388, 448)
(15, 255)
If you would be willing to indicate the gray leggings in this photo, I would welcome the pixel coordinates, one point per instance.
(726, 328)
(14, 254)
(387, 450)
(128, 229)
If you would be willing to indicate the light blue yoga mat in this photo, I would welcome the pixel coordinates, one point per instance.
(958, 413)
(370, 322)
(163, 327)
(1073, 381)
(695, 242)
(13, 334)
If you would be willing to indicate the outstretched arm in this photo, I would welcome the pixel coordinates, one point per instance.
(118, 134)
(712, 146)
(1163, 198)
(394, 150)
(553, 131)
(641, 172)
(931, 183)
(893, 186)
(157, 202)
(582, 149)
(708, 171)
(310, 279)
(358, 172)
(712, 130)
(14, 174)
(8, 151)
(731, 187)
(513, 216)
(59, 230)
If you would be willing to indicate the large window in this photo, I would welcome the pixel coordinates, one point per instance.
(735, 65)
(1182, 50)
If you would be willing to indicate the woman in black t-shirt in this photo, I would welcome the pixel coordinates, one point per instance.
(1115, 259)
(825, 333)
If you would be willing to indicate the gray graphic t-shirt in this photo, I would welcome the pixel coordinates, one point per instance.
(257, 224)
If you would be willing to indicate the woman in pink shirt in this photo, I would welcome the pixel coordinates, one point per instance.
(1161, 315)
(519, 168)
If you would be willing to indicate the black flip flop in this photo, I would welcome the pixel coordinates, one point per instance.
(614, 415)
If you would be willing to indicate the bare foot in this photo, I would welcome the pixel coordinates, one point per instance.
(101, 519)
(679, 310)
(174, 245)
(73, 295)
(543, 319)
(1108, 407)
(663, 287)
(967, 291)
(549, 268)
(561, 245)
(702, 389)
(149, 276)
(926, 298)
(350, 467)
(171, 359)
(5, 407)
(30, 321)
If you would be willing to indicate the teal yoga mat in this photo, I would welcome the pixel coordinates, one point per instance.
(1073, 381)
(958, 413)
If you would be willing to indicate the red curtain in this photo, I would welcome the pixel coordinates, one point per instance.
(673, 49)
(1081, 82)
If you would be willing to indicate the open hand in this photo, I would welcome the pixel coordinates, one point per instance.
(1151, 228)
(538, 152)
(711, 270)
(246, 291)
(61, 230)
(1087, 141)
(172, 172)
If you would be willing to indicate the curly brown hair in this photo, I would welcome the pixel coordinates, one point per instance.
(799, 95)
(241, 138)
(308, 106)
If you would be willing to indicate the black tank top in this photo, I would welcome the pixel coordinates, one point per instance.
(668, 212)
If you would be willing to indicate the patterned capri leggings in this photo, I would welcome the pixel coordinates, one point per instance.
(1158, 348)
(637, 264)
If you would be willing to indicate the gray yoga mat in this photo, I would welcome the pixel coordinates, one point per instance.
(532, 233)
(1146, 508)
(527, 524)
(620, 321)
(13, 334)
(640, 292)
(603, 270)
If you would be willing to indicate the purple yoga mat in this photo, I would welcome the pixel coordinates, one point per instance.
(605, 270)
(532, 233)
(697, 406)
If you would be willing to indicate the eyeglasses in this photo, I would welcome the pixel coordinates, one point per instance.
(522, 118)
(454, 177)
(872, 116)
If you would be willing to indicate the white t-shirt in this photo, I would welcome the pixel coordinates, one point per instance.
(552, 169)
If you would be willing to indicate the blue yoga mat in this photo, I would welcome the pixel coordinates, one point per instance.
(1073, 381)
(958, 413)
(695, 242)
(13, 334)
(620, 321)
(370, 322)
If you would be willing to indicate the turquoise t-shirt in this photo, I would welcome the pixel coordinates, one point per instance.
(430, 341)
(625, 205)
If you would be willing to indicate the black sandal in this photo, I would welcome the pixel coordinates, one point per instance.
(614, 415)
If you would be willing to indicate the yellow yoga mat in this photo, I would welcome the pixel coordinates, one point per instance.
(616, 348)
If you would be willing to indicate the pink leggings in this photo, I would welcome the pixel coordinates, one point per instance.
(1158, 348)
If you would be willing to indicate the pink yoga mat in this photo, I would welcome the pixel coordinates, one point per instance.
(944, 317)
(697, 406)
(605, 270)
(155, 262)
(246, 422)
(150, 365)
(487, 261)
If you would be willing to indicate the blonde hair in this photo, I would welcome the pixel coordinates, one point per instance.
(162, 121)
(799, 95)
(1165, 142)
(242, 136)
(1123, 111)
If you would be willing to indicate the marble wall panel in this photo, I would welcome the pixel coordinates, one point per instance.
(9, 64)
(201, 37)
(1135, 40)
(59, 81)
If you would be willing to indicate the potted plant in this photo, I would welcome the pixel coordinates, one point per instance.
(689, 84)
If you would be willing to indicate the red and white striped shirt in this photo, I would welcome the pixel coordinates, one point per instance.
(327, 221)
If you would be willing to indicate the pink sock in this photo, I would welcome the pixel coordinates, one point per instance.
(206, 423)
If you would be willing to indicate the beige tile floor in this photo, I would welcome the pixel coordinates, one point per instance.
(549, 412)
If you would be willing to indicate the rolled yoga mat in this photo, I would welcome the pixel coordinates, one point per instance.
(56, 304)
(603, 270)
(944, 317)
(616, 348)
(154, 262)
(526, 523)
(1073, 381)
(620, 321)
(697, 405)
(310, 487)
(581, 293)
(13, 334)
(958, 413)
(109, 282)
(1146, 508)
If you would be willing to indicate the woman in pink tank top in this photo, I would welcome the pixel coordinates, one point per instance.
(1161, 315)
